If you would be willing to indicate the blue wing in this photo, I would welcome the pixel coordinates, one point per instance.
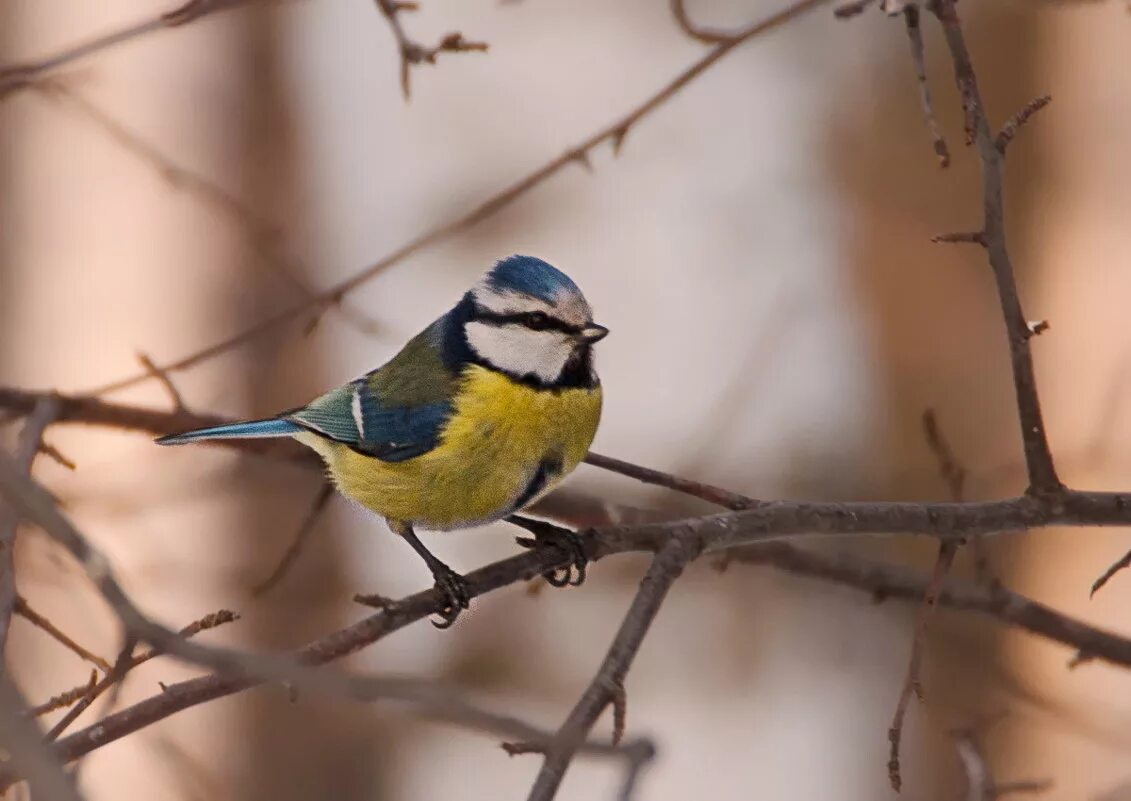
(355, 416)
(394, 413)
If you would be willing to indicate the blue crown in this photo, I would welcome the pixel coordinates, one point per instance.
(532, 277)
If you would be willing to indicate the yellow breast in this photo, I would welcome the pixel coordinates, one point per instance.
(502, 437)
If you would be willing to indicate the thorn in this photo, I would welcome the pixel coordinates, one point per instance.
(618, 139)
(1036, 327)
(620, 710)
(961, 237)
(517, 749)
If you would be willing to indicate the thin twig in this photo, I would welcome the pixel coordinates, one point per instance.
(954, 474)
(325, 492)
(413, 53)
(65, 698)
(608, 684)
(39, 621)
(614, 134)
(1043, 478)
(704, 35)
(42, 414)
(915, 36)
(1009, 130)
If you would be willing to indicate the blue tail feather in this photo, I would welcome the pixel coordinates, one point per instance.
(252, 429)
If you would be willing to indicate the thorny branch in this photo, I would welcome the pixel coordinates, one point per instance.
(1043, 478)
(613, 134)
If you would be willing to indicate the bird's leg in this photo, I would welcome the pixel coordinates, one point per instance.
(561, 538)
(449, 583)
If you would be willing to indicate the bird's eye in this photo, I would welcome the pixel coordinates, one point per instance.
(537, 320)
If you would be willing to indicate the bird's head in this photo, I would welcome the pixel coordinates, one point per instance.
(528, 319)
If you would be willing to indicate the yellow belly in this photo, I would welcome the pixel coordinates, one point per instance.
(490, 450)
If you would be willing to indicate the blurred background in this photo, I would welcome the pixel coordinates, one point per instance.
(780, 323)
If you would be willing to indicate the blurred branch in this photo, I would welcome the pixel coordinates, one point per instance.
(613, 133)
(955, 477)
(980, 783)
(1038, 458)
(262, 234)
(41, 414)
(26, 751)
(19, 76)
(413, 53)
(325, 493)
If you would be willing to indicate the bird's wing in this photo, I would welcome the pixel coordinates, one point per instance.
(394, 413)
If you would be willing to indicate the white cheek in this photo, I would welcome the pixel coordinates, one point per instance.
(520, 351)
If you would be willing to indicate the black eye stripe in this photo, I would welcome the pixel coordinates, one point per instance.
(537, 321)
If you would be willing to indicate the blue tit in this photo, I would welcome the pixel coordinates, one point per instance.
(477, 417)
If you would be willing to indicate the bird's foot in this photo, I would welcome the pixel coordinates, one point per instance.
(454, 590)
(569, 542)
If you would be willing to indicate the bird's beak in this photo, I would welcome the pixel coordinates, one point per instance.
(593, 333)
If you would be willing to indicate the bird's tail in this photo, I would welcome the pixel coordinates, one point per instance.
(252, 429)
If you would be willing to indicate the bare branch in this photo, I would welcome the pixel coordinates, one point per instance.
(1038, 458)
(614, 134)
(607, 687)
(42, 413)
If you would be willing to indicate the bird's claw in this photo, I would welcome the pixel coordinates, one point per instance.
(453, 587)
(573, 574)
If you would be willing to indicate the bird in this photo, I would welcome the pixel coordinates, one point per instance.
(477, 417)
